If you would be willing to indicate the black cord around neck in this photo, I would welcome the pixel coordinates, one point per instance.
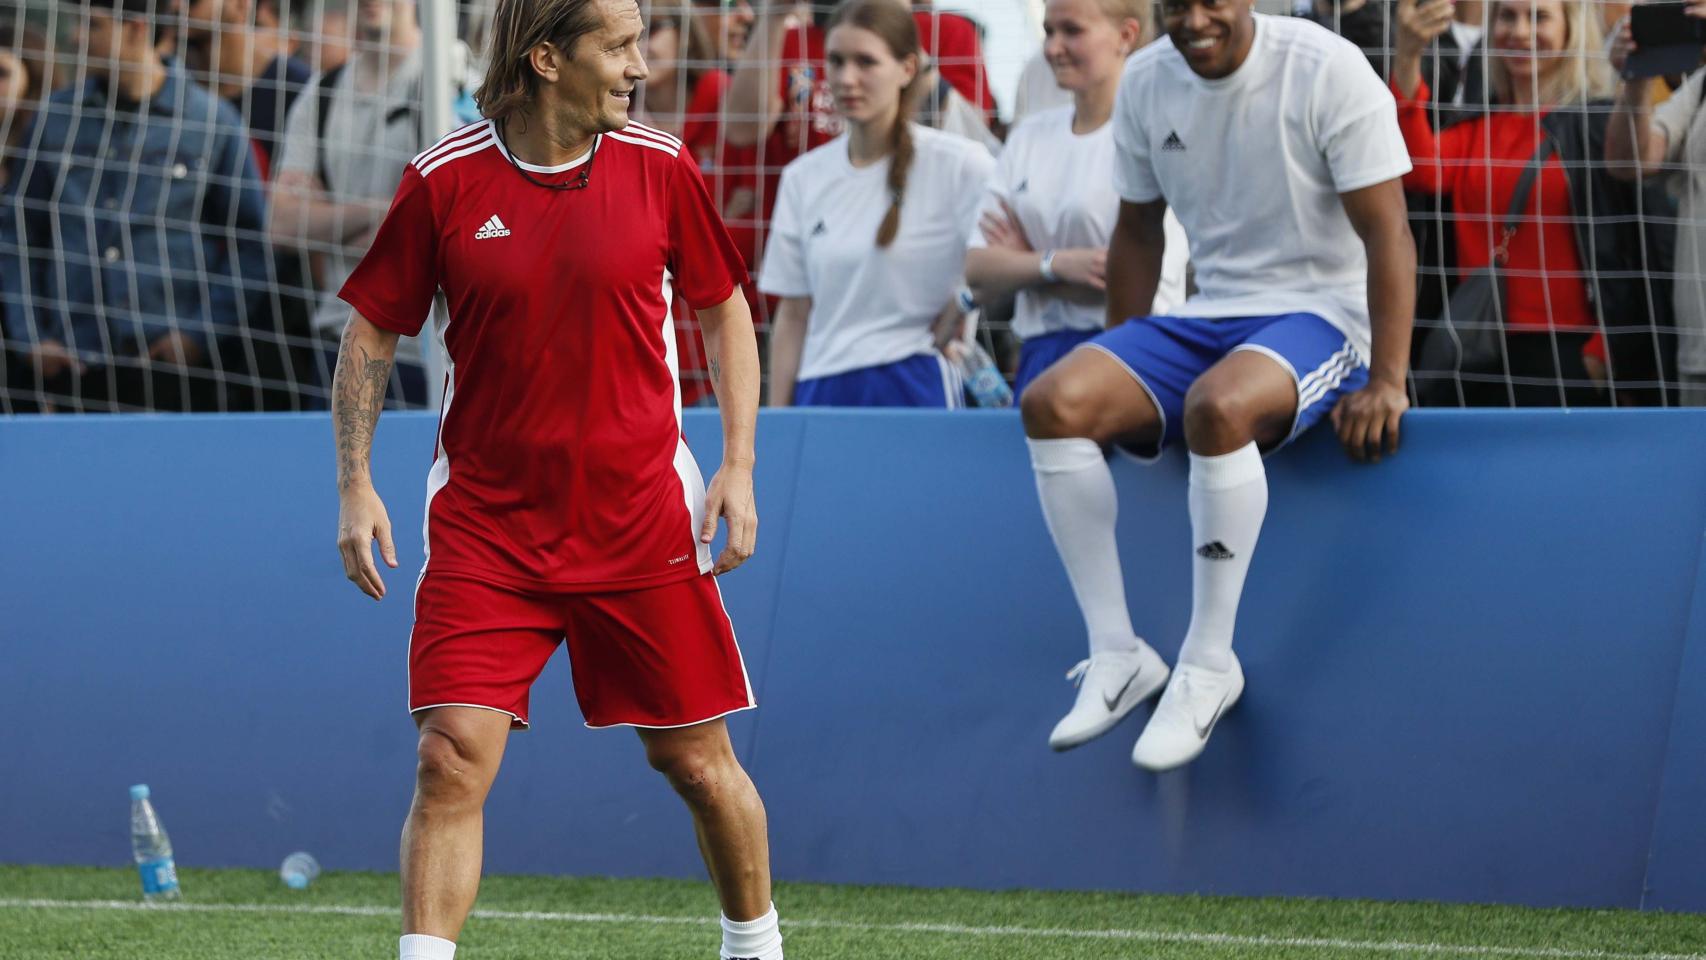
(578, 183)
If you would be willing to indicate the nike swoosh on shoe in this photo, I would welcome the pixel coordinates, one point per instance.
(1115, 702)
(1202, 730)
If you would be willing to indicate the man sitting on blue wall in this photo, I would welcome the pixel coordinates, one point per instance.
(1278, 148)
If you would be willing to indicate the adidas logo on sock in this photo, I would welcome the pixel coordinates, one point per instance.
(1214, 551)
(1173, 142)
(821, 229)
(491, 228)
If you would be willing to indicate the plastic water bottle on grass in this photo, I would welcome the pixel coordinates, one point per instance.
(299, 870)
(152, 849)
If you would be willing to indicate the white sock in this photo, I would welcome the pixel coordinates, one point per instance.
(419, 946)
(756, 939)
(1228, 499)
(1080, 504)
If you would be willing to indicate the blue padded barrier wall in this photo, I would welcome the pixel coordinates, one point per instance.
(1477, 671)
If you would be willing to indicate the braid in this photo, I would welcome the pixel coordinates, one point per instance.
(900, 165)
(893, 22)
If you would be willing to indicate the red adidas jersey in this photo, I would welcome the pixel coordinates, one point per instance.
(560, 461)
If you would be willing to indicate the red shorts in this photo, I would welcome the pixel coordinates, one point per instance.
(659, 657)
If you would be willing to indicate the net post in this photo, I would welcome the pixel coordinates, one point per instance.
(438, 62)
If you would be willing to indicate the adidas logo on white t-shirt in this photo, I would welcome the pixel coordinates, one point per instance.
(1173, 142)
(492, 228)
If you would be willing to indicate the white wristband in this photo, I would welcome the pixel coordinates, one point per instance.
(1046, 268)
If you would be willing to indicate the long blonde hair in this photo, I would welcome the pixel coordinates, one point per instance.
(1585, 75)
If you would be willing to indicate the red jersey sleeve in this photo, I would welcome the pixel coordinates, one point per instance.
(393, 286)
(1432, 169)
(704, 259)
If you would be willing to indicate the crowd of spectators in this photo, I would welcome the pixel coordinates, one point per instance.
(187, 186)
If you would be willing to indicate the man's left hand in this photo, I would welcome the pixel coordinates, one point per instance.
(1367, 420)
(730, 495)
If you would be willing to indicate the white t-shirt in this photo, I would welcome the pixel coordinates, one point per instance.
(1061, 186)
(872, 306)
(1254, 164)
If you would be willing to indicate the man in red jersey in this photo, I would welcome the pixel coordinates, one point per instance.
(562, 500)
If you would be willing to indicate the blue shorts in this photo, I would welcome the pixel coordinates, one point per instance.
(1168, 354)
(924, 380)
(1039, 353)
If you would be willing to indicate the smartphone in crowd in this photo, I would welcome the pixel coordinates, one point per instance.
(1667, 40)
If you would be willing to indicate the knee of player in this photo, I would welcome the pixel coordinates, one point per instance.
(1056, 408)
(1212, 412)
(697, 775)
(447, 770)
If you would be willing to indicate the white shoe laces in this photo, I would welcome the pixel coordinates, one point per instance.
(1076, 674)
(1185, 701)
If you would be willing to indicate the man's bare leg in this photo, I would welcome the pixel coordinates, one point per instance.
(728, 819)
(699, 762)
(443, 838)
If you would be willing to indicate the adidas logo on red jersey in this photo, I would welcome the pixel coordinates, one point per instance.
(492, 228)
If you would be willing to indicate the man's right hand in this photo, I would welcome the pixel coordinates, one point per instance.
(361, 520)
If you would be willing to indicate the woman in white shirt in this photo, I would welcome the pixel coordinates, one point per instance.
(867, 242)
(1051, 203)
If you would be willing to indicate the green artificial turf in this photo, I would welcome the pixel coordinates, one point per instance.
(249, 915)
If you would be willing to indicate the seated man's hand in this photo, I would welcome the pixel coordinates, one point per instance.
(1367, 420)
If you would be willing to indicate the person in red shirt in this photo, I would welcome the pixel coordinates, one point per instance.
(688, 77)
(562, 499)
(1545, 55)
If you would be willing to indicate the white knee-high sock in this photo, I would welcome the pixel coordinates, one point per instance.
(759, 939)
(419, 946)
(1228, 499)
(1080, 504)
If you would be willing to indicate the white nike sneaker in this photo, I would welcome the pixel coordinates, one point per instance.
(1195, 701)
(1109, 686)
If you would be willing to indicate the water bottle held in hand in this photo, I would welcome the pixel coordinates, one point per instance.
(988, 387)
(151, 848)
(299, 870)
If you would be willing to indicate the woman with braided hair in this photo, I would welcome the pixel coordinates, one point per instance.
(867, 242)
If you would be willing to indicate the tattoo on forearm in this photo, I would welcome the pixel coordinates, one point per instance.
(716, 368)
(358, 394)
